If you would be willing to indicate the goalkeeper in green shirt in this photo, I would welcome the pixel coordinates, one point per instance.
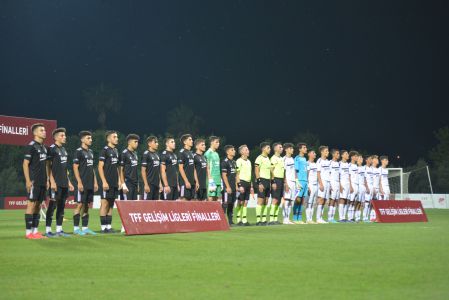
(213, 170)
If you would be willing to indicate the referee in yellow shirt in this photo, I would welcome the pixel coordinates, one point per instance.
(263, 173)
(277, 164)
(244, 183)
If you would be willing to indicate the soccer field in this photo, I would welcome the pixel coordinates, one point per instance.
(329, 261)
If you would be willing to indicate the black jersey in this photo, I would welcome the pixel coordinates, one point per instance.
(36, 153)
(201, 169)
(185, 158)
(229, 167)
(170, 161)
(85, 161)
(152, 163)
(129, 162)
(58, 157)
(110, 158)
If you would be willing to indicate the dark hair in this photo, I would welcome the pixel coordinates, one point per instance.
(84, 133)
(310, 151)
(334, 150)
(374, 156)
(199, 141)
(241, 147)
(383, 157)
(185, 137)
(343, 151)
(168, 138)
(263, 145)
(353, 153)
(322, 148)
(58, 130)
(227, 147)
(367, 156)
(276, 144)
(151, 138)
(110, 132)
(288, 145)
(300, 145)
(213, 138)
(35, 126)
(132, 136)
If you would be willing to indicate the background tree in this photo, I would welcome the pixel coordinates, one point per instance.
(182, 119)
(103, 99)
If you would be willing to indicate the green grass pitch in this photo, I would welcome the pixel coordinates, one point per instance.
(329, 261)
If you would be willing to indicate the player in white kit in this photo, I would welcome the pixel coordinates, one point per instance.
(345, 186)
(361, 181)
(369, 189)
(312, 185)
(323, 174)
(335, 185)
(290, 180)
(354, 182)
(376, 181)
(384, 188)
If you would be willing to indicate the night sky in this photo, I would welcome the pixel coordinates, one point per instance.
(360, 74)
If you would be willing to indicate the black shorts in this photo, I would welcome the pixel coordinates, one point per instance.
(153, 194)
(60, 194)
(173, 195)
(186, 193)
(277, 194)
(266, 188)
(110, 194)
(37, 193)
(132, 192)
(85, 197)
(229, 197)
(201, 194)
(247, 191)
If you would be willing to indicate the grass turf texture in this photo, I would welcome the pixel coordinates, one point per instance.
(329, 261)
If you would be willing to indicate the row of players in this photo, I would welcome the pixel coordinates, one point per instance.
(187, 175)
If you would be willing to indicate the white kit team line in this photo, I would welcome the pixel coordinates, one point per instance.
(347, 183)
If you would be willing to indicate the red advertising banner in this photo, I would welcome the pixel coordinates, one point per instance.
(21, 203)
(150, 217)
(391, 211)
(17, 130)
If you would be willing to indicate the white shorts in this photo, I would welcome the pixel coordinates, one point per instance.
(369, 194)
(354, 194)
(291, 194)
(326, 190)
(313, 191)
(386, 195)
(335, 190)
(362, 191)
(344, 194)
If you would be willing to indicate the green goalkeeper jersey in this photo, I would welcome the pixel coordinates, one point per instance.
(213, 162)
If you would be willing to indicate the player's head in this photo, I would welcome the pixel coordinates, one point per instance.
(112, 137)
(289, 149)
(375, 160)
(59, 135)
(187, 141)
(152, 143)
(244, 150)
(38, 131)
(214, 142)
(133, 141)
(353, 156)
(170, 144)
(302, 148)
(230, 151)
(384, 160)
(277, 148)
(265, 148)
(86, 137)
(312, 155)
(324, 151)
(200, 145)
(360, 160)
(368, 160)
(344, 155)
(335, 154)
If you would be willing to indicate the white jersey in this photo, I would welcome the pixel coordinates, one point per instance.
(353, 172)
(384, 177)
(376, 177)
(323, 166)
(361, 175)
(369, 175)
(312, 169)
(344, 173)
(335, 171)
(289, 166)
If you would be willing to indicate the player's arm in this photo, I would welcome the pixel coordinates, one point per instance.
(121, 172)
(238, 185)
(273, 184)
(224, 175)
(26, 174)
(197, 182)
(102, 177)
(143, 173)
(350, 184)
(257, 174)
(381, 190)
(164, 174)
(183, 173)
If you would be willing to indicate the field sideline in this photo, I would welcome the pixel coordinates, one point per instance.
(333, 261)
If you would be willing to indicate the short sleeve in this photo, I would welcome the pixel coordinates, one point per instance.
(181, 157)
(145, 159)
(102, 155)
(224, 167)
(318, 166)
(258, 161)
(164, 157)
(77, 157)
(28, 152)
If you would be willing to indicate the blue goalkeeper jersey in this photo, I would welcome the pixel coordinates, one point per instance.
(301, 167)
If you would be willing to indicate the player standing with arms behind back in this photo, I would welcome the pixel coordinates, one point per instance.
(128, 168)
(186, 169)
(169, 170)
(201, 170)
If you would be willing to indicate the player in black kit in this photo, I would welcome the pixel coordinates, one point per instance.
(229, 176)
(186, 169)
(36, 170)
(128, 169)
(109, 173)
(60, 184)
(169, 170)
(83, 169)
(151, 170)
(201, 170)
